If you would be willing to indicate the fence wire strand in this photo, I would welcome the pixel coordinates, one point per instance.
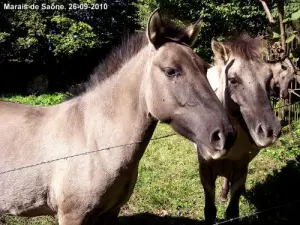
(83, 153)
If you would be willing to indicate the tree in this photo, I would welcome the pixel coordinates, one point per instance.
(280, 7)
(220, 18)
(57, 42)
(288, 27)
(267, 10)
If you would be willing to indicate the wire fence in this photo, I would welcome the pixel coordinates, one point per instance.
(107, 148)
(285, 105)
(98, 150)
(83, 153)
(286, 111)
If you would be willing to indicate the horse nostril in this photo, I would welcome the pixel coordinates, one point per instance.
(266, 132)
(269, 132)
(217, 140)
(221, 140)
(216, 136)
(259, 130)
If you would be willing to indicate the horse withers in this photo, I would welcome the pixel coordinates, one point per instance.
(241, 80)
(93, 142)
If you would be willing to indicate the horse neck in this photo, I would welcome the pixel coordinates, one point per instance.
(115, 110)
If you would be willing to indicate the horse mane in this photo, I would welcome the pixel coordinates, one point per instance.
(130, 46)
(246, 47)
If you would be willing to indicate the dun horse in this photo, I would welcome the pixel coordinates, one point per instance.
(241, 80)
(283, 73)
(153, 77)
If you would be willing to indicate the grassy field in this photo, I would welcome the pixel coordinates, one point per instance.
(168, 190)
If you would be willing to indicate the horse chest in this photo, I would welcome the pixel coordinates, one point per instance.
(242, 147)
(103, 181)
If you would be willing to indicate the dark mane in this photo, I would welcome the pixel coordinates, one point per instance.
(246, 47)
(130, 46)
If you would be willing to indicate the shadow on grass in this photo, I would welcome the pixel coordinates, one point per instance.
(151, 219)
(281, 194)
(137, 219)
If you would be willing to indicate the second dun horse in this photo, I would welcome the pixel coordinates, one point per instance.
(283, 73)
(241, 80)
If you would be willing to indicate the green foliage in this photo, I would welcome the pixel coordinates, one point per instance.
(47, 41)
(74, 36)
(276, 36)
(144, 9)
(295, 15)
(290, 6)
(32, 33)
(293, 30)
(42, 100)
(288, 146)
(64, 45)
(292, 27)
(3, 36)
(220, 18)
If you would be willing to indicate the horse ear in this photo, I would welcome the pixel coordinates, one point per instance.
(289, 64)
(297, 77)
(220, 50)
(193, 30)
(154, 28)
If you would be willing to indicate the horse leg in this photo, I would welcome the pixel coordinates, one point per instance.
(225, 190)
(236, 190)
(208, 179)
(69, 219)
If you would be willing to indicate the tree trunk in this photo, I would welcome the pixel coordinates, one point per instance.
(267, 10)
(280, 7)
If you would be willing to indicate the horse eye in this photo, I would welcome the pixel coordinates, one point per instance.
(171, 72)
(233, 81)
(283, 67)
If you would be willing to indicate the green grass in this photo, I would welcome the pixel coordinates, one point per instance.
(168, 189)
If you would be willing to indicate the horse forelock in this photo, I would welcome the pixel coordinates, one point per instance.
(246, 47)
